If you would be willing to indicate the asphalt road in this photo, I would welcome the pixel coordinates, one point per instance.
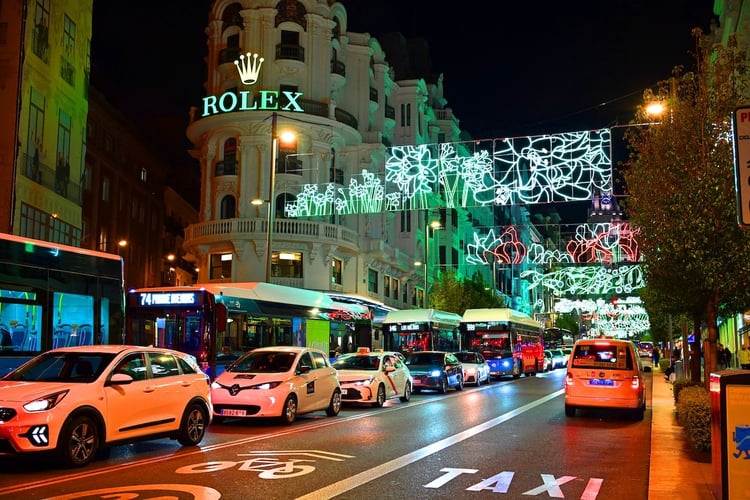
(509, 439)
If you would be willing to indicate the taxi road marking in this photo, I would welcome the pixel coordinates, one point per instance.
(350, 483)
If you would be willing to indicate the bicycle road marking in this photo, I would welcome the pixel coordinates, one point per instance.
(364, 477)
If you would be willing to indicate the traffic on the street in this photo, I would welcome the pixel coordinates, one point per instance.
(510, 439)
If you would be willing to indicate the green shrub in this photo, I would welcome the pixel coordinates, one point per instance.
(680, 384)
(663, 364)
(694, 411)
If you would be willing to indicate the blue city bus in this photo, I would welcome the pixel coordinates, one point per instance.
(54, 295)
(218, 322)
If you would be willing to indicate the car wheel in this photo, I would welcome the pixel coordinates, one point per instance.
(460, 385)
(78, 441)
(406, 396)
(443, 385)
(193, 426)
(289, 412)
(379, 397)
(570, 411)
(334, 406)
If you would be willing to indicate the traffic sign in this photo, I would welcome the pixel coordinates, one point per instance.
(741, 132)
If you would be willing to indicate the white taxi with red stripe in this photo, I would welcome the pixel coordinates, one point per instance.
(373, 377)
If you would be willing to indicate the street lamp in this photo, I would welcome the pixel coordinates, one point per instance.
(435, 225)
(286, 137)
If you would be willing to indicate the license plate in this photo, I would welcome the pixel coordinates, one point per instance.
(601, 381)
(233, 413)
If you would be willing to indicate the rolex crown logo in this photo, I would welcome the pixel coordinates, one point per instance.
(249, 67)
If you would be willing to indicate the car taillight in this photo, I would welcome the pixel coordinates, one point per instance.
(568, 379)
(636, 383)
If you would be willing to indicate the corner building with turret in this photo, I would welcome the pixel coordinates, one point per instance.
(292, 66)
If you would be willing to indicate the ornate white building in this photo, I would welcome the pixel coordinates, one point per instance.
(304, 71)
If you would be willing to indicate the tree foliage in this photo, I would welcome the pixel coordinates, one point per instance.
(455, 295)
(680, 191)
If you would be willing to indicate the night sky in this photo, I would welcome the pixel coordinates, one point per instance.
(510, 68)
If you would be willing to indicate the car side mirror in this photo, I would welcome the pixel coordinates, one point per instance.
(303, 369)
(389, 369)
(120, 379)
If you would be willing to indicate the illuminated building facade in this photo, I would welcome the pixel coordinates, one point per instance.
(293, 65)
(44, 96)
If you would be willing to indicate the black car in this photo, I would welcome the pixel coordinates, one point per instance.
(435, 370)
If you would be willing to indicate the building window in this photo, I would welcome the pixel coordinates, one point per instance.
(387, 285)
(105, 189)
(221, 266)
(405, 292)
(372, 280)
(337, 267)
(67, 68)
(36, 135)
(45, 226)
(41, 30)
(144, 174)
(62, 168)
(394, 283)
(228, 165)
(228, 207)
(287, 265)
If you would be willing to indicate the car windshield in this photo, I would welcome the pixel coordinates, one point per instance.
(357, 363)
(467, 357)
(424, 358)
(264, 362)
(79, 367)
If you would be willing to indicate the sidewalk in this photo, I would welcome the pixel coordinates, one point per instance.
(674, 472)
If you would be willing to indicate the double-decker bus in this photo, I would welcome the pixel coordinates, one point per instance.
(217, 322)
(421, 330)
(54, 295)
(510, 341)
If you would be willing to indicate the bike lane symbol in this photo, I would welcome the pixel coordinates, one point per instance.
(269, 464)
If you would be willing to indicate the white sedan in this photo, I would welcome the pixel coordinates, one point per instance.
(476, 369)
(373, 377)
(279, 381)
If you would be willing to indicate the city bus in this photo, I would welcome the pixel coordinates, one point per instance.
(511, 341)
(373, 339)
(555, 338)
(421, 330)
(54, 295)
(217, 322)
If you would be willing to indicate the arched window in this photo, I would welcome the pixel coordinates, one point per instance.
(292, 11)
(281, 202)
(228, 207)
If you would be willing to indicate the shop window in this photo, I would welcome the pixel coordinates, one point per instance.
(221, 266)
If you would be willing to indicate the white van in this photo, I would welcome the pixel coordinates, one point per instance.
(605, 373)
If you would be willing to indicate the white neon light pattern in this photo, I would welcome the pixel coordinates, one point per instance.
(624, 316)
(588, 280)
(558, 168)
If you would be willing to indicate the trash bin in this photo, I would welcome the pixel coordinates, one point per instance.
(679, 369)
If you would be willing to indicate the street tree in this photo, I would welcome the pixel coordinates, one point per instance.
(679, 184)
(453, 294)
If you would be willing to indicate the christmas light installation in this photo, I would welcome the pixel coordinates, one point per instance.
(557, 168)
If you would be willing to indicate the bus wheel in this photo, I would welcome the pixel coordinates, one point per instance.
(516, 370)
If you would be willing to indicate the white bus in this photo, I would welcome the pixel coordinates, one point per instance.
(422, 330)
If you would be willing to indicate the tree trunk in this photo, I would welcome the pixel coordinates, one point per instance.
(709, 347)
(695, 350)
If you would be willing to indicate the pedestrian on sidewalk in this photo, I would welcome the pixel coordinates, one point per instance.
(744, 357)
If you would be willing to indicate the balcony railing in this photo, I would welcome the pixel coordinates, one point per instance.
(294, 52)
(226, 167)
(52, 179)
(300, 230)
(67, 70)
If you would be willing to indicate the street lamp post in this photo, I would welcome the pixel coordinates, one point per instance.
(435, 225)
(271, 196)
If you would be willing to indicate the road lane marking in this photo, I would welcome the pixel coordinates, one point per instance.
(340, 487)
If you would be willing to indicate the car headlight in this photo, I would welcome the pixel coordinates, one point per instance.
(46, 402)
(366, 381)
(471, 371)
(265, 386)
(436, 373)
